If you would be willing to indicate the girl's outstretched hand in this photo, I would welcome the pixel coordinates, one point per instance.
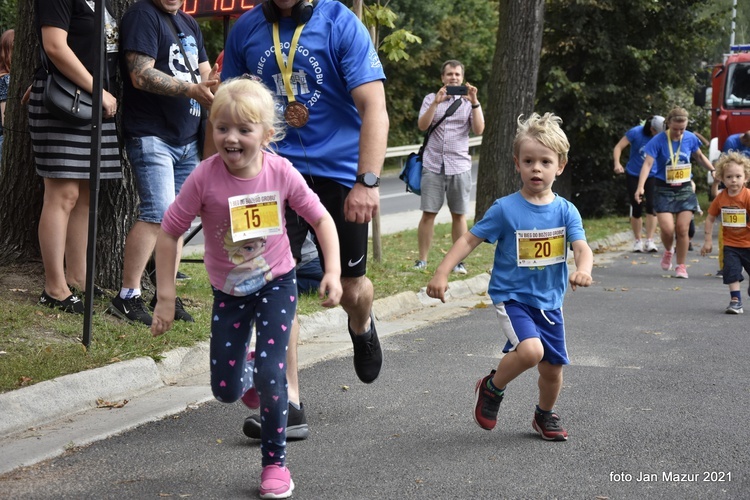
(163, 317)
(330, 290)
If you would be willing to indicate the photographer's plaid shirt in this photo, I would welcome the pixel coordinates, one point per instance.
(449, 143)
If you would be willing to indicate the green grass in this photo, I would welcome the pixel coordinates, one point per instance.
(38, 344)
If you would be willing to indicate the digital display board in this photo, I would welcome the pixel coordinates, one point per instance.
(218, 8)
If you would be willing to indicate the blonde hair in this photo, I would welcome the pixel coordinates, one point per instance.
(727, 159)
(248, 100)
(545, 129)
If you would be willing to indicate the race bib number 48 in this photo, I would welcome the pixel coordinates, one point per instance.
(677, 174)
(255, 215)
(540, 247)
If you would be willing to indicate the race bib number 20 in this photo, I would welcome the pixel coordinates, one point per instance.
(540, 247)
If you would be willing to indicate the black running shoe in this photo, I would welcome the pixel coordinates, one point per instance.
(72, 304)
(132, 310)
(486, 404)
(180, 314)
(98, 292)
(368, 356)
(296, 425)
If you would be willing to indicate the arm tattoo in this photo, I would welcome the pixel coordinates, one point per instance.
(150, 79)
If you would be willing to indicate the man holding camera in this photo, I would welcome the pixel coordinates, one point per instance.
(446, 163)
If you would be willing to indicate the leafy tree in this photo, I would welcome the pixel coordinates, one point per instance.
(7, 14)
(448, 30)
(606, 65)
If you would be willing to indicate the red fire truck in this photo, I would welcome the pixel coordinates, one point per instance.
(730, 97)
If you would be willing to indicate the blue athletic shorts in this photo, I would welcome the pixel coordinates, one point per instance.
(520, 322)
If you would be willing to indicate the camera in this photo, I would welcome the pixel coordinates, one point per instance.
(456, 90)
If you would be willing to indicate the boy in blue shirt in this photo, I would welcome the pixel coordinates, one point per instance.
(533, 229)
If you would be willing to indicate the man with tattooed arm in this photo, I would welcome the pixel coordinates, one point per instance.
(170, 78)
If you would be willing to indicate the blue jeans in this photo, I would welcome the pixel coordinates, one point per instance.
(160, 169)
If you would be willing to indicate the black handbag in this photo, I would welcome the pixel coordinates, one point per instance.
(66, 101)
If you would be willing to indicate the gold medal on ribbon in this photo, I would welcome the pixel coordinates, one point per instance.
(296, 114)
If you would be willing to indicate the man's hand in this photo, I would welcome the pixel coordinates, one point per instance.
(201, 92)
(361, 204)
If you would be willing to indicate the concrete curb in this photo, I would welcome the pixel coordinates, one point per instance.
(52, 400)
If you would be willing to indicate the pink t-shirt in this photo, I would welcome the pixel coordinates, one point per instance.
(261, 251)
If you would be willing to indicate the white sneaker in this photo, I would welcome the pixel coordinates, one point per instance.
(638, 246)
(460, 268)
(650, 246)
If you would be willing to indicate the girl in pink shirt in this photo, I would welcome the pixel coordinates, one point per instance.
(240, 194)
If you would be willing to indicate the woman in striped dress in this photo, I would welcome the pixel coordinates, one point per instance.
(62, 151)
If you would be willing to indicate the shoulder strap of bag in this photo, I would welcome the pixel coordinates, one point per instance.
(170, 22)
(448, 112)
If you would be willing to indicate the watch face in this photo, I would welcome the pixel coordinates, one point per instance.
(369, 179)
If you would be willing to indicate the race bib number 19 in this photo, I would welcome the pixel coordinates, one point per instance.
(733, 217)
(255, 215)
(540, 247)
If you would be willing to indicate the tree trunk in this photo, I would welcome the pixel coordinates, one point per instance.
(512, 89)
(22, 190)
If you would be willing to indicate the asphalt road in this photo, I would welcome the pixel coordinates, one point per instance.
(657, 389)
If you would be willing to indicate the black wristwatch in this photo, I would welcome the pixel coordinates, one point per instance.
(369, 179)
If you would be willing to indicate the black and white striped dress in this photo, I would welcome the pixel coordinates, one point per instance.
(63, 151)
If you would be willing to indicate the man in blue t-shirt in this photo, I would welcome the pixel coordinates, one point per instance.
(738, 142)
(319, 61)
(169, 80)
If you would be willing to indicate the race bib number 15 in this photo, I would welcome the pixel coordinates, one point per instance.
(255, 215)
(540, 247)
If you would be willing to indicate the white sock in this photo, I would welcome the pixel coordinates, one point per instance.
(129, 293)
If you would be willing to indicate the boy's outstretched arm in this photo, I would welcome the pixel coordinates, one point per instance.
(461, 249)
(584, 259)
(708, 242)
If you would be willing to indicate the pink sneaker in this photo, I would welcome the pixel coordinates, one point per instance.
(666, 260)
(250, 398)
(681, 271)
(276, 482)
